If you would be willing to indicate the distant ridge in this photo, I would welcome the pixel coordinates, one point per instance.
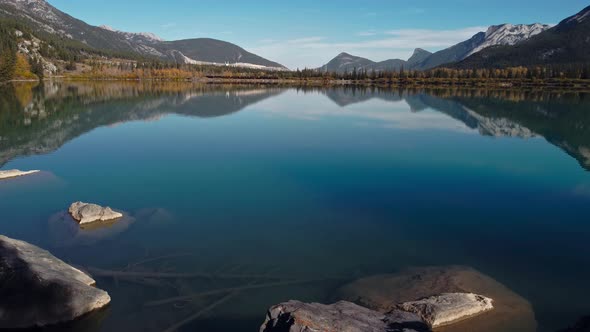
(505, 34)
(44, 19)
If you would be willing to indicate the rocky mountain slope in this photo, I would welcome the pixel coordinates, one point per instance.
(506, 34)
(47, 21)
(566, 43)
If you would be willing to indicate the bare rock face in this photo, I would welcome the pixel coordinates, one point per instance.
(37, 289)
(295, 316)
(384, 292)
(448, 308)
(86, 213)
(15, 173)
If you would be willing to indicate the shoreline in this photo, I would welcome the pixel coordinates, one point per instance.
(549, 85)
(403, 83)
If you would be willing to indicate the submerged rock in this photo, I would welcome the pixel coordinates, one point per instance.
(448, 308)
(582, 325)
(15, 173)
(155, 217)
(38, 289)
(295, 316)
(86, 213)
(63, 231)
(383, 293)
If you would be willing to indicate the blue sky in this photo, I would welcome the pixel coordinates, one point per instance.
(309, 33)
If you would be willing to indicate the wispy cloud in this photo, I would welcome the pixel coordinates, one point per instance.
(305, 40)
(168, 25)
(432, 38)
(267, 41)
(314, 51)
(414, 10)
(368, 33)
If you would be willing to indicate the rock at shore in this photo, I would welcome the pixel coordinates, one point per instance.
(384, 292)
(38, 289)
(295, 316)
(13, 173)
(86, 213)
(448, 308)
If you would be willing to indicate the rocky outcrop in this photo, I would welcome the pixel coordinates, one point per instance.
(383, 293)
(15, 173)
(295, 316)
(86, 213)
(448, 308)
(38, 289)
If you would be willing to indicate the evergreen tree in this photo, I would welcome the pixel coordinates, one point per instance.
(37, 68)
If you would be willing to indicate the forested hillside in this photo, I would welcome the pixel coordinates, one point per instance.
(7, 51)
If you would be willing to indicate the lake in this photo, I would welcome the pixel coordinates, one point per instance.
(326, 185)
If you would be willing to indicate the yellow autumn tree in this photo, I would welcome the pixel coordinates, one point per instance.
(22, 69)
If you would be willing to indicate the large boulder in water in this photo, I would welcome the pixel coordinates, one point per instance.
(37, 289)
(384, 292)
(448, 308)
(87, 213)
(295, 316)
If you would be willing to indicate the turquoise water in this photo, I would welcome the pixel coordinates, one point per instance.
(306, 183)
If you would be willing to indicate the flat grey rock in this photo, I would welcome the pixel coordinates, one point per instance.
(384, 292)
(39, 289)
(295, 316)
(448, 308)
(13, 173)
(86, 213)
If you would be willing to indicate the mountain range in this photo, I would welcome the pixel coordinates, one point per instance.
(499, 46)
(566, 43)
(47, 21)
(505, 34)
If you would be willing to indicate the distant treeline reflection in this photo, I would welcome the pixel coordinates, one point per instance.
(39, 118)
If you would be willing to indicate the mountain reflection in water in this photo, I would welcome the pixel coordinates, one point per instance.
(299, 182)
(39, 119)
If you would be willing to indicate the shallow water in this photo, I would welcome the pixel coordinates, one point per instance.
(330, 184)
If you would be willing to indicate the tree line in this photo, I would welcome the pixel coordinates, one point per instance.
(165, 70)
(109, 65)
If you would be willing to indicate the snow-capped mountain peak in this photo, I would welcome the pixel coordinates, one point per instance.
(509, 34)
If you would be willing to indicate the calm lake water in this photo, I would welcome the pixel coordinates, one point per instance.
(307, 183)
